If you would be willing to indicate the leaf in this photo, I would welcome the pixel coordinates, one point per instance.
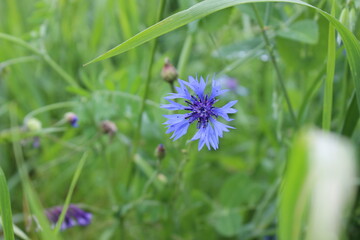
(226, 222)
(352, 117)
(304, 31)
(240, 190)
(321, 165)
(5, 208)
(207, 7)
(291, 191)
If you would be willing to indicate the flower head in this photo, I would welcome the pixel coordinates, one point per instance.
(33, 124)
(108, 127)
(73, 217)
(200, 109)
(160, 151)
(169, 72)
(72, 118)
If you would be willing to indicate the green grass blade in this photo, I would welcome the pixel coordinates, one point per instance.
(71, 190)
(320, 165)
(330, 71)
(352, 117)
(207, 7)
(5, 208)
(292, 205)
(197, 11)
(34, 201)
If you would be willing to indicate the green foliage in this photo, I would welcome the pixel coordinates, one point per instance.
(231, 193)
(5, 208)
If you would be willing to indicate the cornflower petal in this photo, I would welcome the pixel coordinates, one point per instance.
(216, 90)
(225, 110)
(197, 86)
(73, 217)
(173, 106)
(201, 109)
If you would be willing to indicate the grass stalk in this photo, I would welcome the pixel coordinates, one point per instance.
(330, 71)
(273, 60)
(145, 96)
(71, 191)
(56, 67)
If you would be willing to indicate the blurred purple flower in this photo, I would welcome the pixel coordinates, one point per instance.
(72, 118)
(233, 85)
(201, 109)
(73, 217)
(36, 142)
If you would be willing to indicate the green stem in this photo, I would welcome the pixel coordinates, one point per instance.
(185, 53)
(70, 192)
(273, 60)
(48, 108)
(70, 80)
(172, 86)
(143, 101)
(330, 71)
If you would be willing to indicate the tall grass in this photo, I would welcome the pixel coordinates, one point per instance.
(290, 73)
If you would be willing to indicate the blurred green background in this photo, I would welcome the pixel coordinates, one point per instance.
(230, 193)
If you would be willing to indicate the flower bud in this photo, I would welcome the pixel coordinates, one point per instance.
(33, 125)
(71, 118)
(108, 127)
(160, 151)
(169, 72)
(162, 178)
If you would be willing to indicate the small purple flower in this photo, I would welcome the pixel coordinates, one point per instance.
(73, 217)
(200, 107)
(72, 118)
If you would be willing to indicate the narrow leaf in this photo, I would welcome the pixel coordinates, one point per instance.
(5, 208)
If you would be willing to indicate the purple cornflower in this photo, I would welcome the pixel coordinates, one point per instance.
(201, 109)
(72, 118)
(73, 217)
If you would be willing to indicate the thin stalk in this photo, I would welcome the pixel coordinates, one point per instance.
(273, 60)
(172, 86)
(56, 67)
(185, 53)
(143, 101)
(71, 191)
(30, 194)
(18, 60)
(48, 108)
(330, 71)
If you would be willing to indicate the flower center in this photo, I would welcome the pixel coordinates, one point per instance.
(201, 110)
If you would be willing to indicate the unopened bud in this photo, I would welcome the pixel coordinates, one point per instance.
(169, 72)
(160, 151)
(33, 124)
(162, 178)
(108, 127)
(71, 118)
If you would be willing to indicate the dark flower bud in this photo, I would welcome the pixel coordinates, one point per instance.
(160, 151)
(71, 118)
(108, 127)
(169, 72)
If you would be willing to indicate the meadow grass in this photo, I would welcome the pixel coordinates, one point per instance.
(292, 66)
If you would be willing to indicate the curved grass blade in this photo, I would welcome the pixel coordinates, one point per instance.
(5, 208)
(195, 12)
(71, 191)
(207, 7)
(352, 117)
